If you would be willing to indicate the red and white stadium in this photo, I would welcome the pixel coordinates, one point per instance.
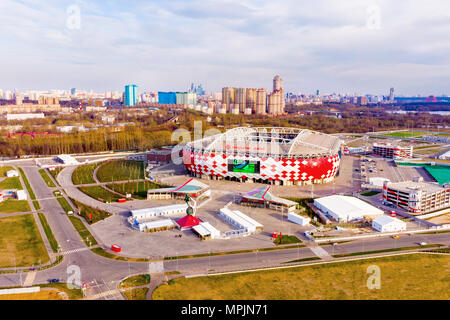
(267, 155)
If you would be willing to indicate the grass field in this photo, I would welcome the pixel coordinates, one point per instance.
(98, 192)
(20, 240)
(416, 276)
(84, 174)
(405, 134)
(85, 211)
(135, 281)
(11, 183)
(46, 178)
(13, 206)
(138, 190)
(121, 170)
(84, 233)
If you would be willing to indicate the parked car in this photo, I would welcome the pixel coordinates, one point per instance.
(53, 280)
(396, 236)
(422, 243)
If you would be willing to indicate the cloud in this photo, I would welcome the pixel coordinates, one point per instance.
(323, 44)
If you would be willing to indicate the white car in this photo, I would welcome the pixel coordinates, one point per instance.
(423, 243)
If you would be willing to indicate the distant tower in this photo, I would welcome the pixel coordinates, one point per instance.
(131, 96)
(277, 83)
(391, 95)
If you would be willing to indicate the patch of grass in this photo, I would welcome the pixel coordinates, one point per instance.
(136, 294)
(12, 206)
(369, 193)
(286, 239)
(27, 184)
(303, 260)
(46, 178)
(138, 190)
(55, 172)
(20, 240)
(48, 232)
(36, 205)
(414, 276)
(64, 204)
(102, 252)
(84, 174)
(98, 192)
(85, 211)
(5, 169)
(40, 295)
(121, 170)
(440, 250)
(135, 281)
(384, 250)
(11, 183)
(84, 233)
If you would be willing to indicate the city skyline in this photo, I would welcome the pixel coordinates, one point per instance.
(330, 46)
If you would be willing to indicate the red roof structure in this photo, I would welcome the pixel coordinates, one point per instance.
(188, 222)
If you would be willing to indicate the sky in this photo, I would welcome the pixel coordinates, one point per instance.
(341, 46)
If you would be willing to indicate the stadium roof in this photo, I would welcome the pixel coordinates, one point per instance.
(273, 141)
(263, 194)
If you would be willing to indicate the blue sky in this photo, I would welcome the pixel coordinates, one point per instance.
(331, 45)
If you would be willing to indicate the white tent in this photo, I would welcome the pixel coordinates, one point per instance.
(388, 224)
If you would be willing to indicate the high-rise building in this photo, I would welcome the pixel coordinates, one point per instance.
(251, 99)
(228, 97)
(276, 101)
(73, 91)
(241, 99)
(362, 100)
(391, 95)
(277, 83)
(261, 101)
(131, 96)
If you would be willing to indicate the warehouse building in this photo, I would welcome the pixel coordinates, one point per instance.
(152, 226)
(417, 197)
(388, 224)
(240, 220)
(390, 151)
(346, 208)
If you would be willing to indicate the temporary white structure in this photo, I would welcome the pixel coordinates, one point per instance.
(21, 195)
(12, 173)
(298, 219)
(175, 209)
(388, 224)
(206, 230)
(67, 159)
(152, 225)
(240, 220)
(346, 208)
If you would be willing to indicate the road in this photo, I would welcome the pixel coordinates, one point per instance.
(103, 274)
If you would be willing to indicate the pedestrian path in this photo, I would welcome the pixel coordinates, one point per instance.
(74, 251)
(320, 252)
(29, 279)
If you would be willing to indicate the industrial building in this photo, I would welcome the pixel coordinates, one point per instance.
(417, 197)
(267, 155)
(180, 98)
(24, 116)
(390, 151)
(346, 208)
(240, 220)
(388, 224)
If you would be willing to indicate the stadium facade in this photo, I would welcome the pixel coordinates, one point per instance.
(284, 156)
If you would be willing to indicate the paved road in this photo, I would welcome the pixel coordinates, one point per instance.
(103, 274)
